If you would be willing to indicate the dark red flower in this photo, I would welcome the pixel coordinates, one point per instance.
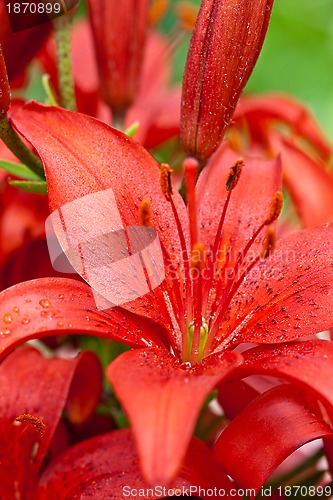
(34, 393)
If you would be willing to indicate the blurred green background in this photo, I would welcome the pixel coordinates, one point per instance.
(297, 56)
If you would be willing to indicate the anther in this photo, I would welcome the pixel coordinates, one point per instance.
(166, 180)
(275, 209)
(157, 10)
(197, 256)
(269, 243)
(187, 15)
(31, 419)
(145, 213)
(234, 174)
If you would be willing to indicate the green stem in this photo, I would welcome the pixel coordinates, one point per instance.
(63, 25)
(17, 146)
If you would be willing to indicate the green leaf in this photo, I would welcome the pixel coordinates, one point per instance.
(132, 129)
(19, 170)
(38, 187)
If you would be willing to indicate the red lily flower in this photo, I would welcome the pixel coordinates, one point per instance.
(277, 124)
(185, 330)
(225, 45)
(35, 392)
(39, 390)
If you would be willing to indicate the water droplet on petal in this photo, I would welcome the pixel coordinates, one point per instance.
(16, 310)
(45, 303)
(5, 333)
(7, 318)
(60, 324)
(61, 296)
(49, 314)
(25, 321)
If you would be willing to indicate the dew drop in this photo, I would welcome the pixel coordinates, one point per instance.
(25, 321)
(60, 324)
(16, 310)
(44, 303)
(5, 333)
(48, 314)
(61, 296)
(7, 318)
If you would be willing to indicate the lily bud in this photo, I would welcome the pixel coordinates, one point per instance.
(4, 87)
(225, 45)
(119, 29)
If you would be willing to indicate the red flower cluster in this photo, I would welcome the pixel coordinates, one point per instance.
(228, 306)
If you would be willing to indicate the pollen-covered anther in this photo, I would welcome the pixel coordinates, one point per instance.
(275, 209)
(197, 256)
(166, 180)
(234, 174)
(145, 213)
(157, 10)
(187, 14)
(35, 421)
(269, 243)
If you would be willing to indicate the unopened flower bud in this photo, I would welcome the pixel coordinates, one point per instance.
(119, 29)
(225, 45)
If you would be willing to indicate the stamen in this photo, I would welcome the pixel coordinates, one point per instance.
(145, 213)
(157, 10)
(231, 182)
(166, 180)
(234, 174)
(167, 190)
(197, 262)
(275, 209)
(31, 419)
(191, 168)
(269, 243)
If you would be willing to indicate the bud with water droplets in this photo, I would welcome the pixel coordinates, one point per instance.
(4, 87)
(225, 45)
(119, 29)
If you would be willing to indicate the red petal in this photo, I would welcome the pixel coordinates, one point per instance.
(31, 384)
(257, 109)
(250, 200)
(288, 294)
(108, 465)
(121, 164)
(309, 182)
(43, 307)
(268, 430)
(162, 399)
(308, 363)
